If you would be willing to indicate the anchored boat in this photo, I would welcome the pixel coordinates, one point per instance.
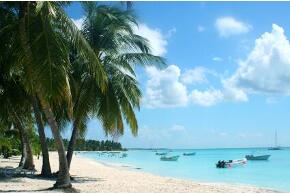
(231, 163)
(261, 157)
(161, 154)
(189, 154)
(169, 158)
(276, 147)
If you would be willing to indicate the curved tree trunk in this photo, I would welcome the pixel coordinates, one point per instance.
(27, 151)
(63, 179)
(46, 170)
(23, 150)
(72, 142)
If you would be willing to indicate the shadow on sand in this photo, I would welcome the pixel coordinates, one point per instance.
(68, 190)
(17, 179)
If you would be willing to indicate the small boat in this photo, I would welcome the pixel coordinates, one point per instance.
(276, 147)
(261, 157)
(169, 158)
(161, 154)
(231, 163)
(189, 154)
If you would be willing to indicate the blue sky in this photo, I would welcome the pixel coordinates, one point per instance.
(227, 83)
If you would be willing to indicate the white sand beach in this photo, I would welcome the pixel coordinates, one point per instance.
(92, 176)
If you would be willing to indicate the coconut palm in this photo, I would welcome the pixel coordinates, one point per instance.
(15, 108)
(15, 111)
(110, 33)
(8, 58)
(43, 36)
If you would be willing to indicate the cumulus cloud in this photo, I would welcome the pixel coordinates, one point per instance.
(79, 22)
(156, 39)
(232, 92)
(228, 26)
(168, 88)
(206, 98)
(164, 89)
(266, 69)
(196, 75)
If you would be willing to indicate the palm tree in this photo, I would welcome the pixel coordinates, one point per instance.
(7, 56)
(43, 36)
(15, 111)
(15, 108)
(110, 33)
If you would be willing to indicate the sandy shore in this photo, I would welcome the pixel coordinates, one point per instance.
(92, 176)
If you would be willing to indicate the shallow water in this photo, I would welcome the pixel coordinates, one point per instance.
(274, 174)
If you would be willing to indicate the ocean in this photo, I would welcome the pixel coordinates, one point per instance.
(273, 174)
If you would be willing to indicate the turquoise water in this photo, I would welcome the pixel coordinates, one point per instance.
(274, 174)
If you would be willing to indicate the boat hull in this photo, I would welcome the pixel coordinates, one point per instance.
(161, 154)
(231, 163)
(189, 154)
(263, 157)
(275, 148)
(172, 158)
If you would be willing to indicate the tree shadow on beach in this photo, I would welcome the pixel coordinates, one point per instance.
(68, 190)
(22, 190)
(17, 178)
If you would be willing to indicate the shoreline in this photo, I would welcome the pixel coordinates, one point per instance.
(94, 176)
(122, 166)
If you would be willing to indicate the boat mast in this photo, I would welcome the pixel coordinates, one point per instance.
(275, 138)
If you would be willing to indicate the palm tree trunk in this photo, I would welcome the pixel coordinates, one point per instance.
(63, 179)
(72, 142)
(23, 150)
(46, 170)
(28, 156)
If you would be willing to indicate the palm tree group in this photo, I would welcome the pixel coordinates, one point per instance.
(53, 74)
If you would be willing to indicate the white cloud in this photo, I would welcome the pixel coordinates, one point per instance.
(206, 98)
(164, 89)
(156, 39)
(200, 28)
(194, 76)
(232, 92)
(79, 22)
(266, 69)
(228, 26)
(217, 59)
(168, 88)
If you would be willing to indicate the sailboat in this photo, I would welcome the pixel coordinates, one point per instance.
(276, 147)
